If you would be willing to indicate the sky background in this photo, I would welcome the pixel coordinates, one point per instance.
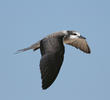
(82, 76)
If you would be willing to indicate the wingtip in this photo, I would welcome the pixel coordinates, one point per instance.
(44, 87)
(89, 51)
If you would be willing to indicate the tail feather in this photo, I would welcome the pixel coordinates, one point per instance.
(34, 47)
(22, 50)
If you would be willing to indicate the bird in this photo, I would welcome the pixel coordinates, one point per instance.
(52, 52)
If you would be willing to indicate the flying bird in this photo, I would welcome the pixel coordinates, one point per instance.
(52, 52)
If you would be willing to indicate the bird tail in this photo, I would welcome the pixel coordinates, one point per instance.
(34, 47)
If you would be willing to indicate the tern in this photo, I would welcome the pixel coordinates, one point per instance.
(52, 52)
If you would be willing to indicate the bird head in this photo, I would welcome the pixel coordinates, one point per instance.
(74, 35)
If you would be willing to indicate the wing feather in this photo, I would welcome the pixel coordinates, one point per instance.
(78, 43)
(50, 65)
(52, 51)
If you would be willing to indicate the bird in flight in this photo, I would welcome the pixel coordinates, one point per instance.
(52, 52)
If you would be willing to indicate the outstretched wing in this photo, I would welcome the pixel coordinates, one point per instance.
(52, 51)
(79, 43)
(50, 65)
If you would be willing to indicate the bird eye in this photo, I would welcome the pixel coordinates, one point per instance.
(74, 34)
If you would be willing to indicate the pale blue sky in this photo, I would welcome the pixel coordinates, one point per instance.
(82, 76)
